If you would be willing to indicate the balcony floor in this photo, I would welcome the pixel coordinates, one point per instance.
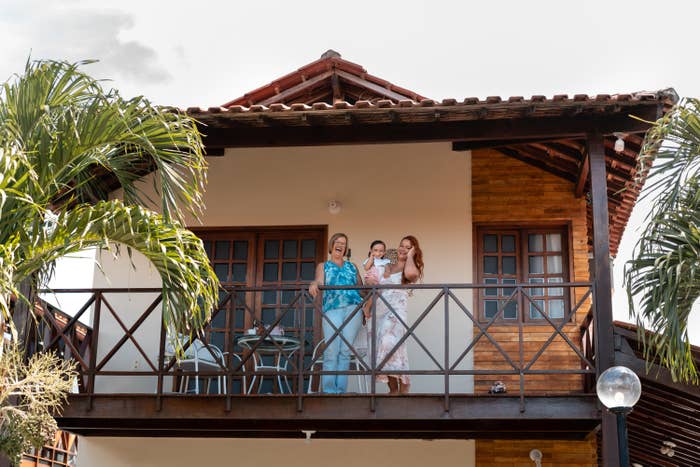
(332, 416)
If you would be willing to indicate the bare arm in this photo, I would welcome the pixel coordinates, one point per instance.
(318, 280)
(370, 262)
(410, 269)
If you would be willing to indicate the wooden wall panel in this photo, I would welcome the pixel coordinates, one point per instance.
(516, 453)
(505, 190)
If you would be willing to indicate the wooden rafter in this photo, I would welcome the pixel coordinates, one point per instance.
(294, 91)
(356, 80)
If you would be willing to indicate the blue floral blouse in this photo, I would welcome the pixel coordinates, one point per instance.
(334, 275)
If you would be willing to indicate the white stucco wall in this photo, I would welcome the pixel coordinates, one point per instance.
(187, 452)
(386, 191)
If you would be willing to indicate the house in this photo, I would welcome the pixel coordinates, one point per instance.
(518, 205)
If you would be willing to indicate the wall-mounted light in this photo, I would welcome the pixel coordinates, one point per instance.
(619, 142)
(307, 434)
(536, 457)
(667, 448)
(334, 206)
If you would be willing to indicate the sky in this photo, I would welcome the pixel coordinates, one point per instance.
(208, 52)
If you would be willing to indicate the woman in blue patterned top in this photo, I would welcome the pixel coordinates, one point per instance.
(338, 306)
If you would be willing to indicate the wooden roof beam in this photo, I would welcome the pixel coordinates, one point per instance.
(337, 92)
(371, 86)
(295, 90)
(582, 178)
(535, 162)
(475, 130)
(472, 145)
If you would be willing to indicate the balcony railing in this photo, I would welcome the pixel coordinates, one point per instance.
(129, 350)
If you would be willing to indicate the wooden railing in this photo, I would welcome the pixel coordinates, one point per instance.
(443, 335)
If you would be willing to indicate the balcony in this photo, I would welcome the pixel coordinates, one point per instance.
(267, 384)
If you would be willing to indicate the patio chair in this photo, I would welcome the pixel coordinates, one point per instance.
(199, 357)
(355, 364)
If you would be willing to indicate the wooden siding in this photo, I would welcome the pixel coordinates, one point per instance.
(516, 453)
(505, 192)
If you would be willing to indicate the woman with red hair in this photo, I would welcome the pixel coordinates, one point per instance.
(408, 269)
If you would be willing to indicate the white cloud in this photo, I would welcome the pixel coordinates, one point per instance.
(75, 32)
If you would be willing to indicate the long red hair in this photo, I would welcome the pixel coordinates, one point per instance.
(417, 258)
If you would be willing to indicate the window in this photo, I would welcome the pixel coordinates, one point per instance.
(522, 256)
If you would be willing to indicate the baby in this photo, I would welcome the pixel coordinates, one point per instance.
(374, 269)
(375, 262)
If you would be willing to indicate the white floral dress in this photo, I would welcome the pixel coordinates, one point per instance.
(390, 330)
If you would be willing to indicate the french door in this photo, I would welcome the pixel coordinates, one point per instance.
(269, 258)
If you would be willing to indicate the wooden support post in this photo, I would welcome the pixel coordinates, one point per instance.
(605, 352)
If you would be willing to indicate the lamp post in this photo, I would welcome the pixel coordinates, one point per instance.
(619, 389)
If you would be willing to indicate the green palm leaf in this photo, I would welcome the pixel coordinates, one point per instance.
(61, 137)
(665, 271)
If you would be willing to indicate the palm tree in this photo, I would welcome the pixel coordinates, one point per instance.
(61, 137)
(664, 274)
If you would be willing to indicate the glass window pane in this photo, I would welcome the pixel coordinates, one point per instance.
(268, 316)
(490, 264)
(491, 292)
(308, 248)
(536, 264)
(490, 243)
(221, 247)
(240, 249)
(239, 271)
(490, 308)
(272, 249)
(207, 247)
(554, 264)
(510, 311)
(269, 297)
(216, 338)
(288, 318)
(289, 249)
(535, 243)
(555, 291)
(221, 271)
(508, 243)
(239, 318)
(508, 265)
(508, 291)
(289, 271)
(554, 242)
(288, 296)
(222, 295)
(219, 320)
(536, 291)
(556, 309)
(534, 312)
(308, 271)
(270, 272)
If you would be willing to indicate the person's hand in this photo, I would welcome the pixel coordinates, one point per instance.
(411, 252)
(313, 289)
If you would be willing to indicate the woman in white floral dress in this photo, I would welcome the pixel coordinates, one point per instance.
(390, 329)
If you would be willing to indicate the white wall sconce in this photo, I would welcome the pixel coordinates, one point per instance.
(334, 206)
(619, 142)
(536, 457)
(308, 434)
(667, 448)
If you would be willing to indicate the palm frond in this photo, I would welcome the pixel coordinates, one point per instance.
(664, 274)
(190, 287)
(61, 135)
(75, 134)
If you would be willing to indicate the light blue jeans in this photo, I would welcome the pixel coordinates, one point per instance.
(336, 356)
